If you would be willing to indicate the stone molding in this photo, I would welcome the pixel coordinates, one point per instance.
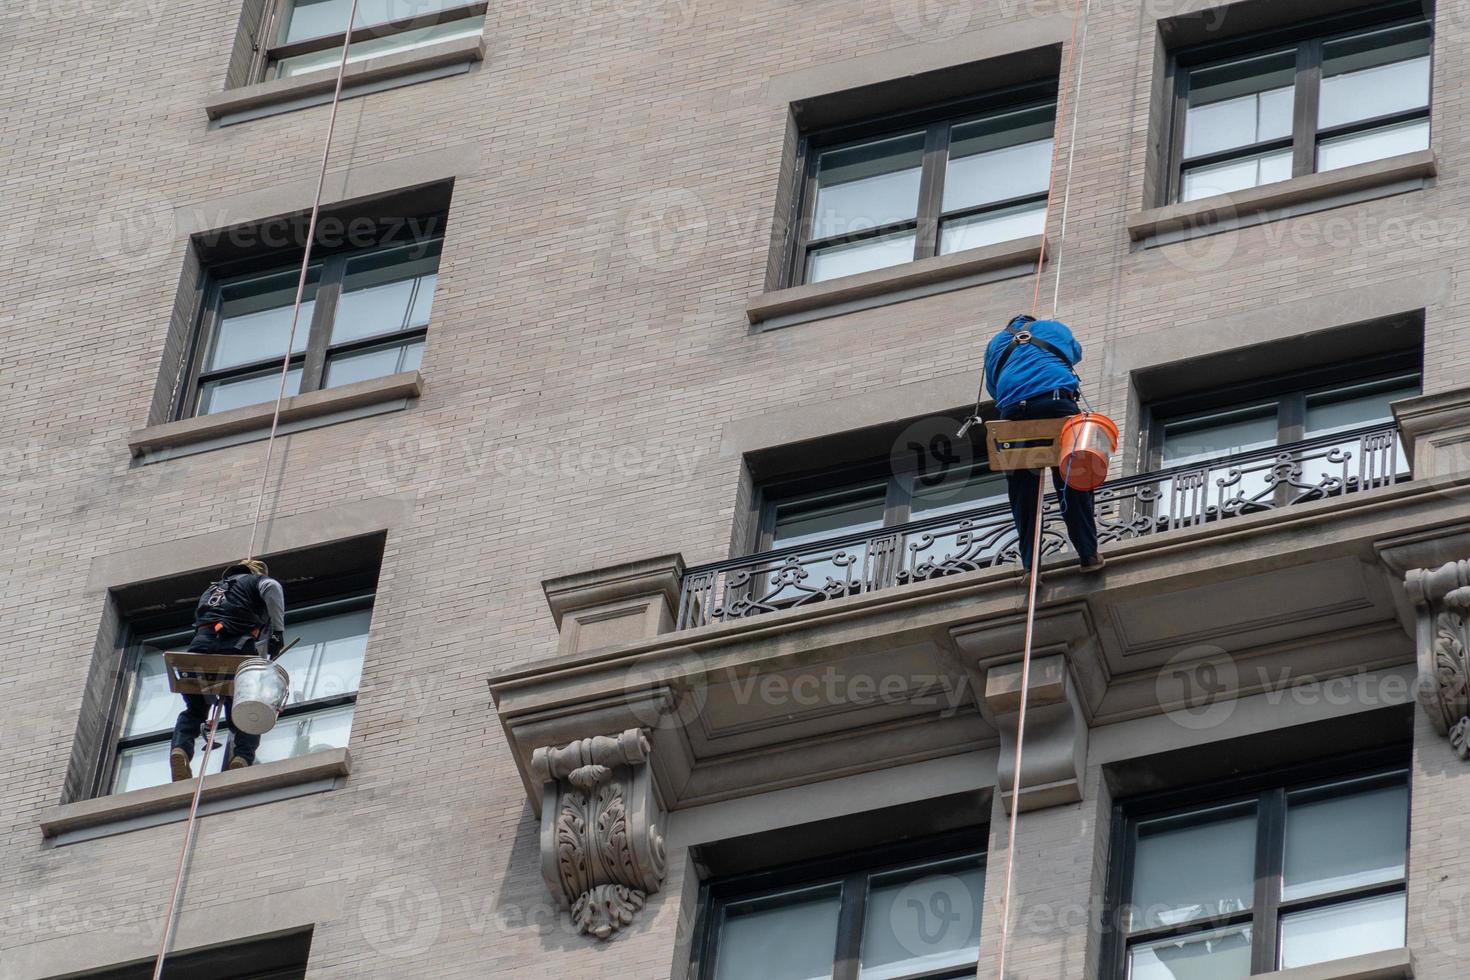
(631, 601)
(602, 844)
(1436, 432)
(1054, 756)
(1441, 600)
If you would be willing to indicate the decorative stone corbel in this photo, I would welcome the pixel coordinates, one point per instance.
(602, 849)
(1054, 760)
(1441, 599)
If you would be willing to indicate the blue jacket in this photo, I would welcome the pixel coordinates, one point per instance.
(1031, 370)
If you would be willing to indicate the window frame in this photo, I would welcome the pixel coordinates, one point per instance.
(850, 872)
(133, 635)
(1289, 391)
(936, 122)
(275, 50)
(1265, 794)
(898, 495)
(316, 357)
(1308, 38)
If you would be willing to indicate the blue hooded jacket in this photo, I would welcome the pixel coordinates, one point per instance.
(1030, 371)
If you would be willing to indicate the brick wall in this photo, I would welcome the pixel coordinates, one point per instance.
(579, 369)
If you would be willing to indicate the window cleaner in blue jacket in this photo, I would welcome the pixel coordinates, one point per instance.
(1030, 371)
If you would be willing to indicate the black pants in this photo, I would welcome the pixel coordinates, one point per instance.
(1021, 486)
(196, 706)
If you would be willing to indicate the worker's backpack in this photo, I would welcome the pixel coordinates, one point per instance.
(235, 603)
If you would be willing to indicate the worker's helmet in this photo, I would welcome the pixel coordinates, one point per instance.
(250, 566)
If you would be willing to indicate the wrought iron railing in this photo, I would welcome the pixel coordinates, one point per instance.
(1132, 507)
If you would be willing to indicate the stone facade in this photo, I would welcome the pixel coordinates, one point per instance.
(591, 382)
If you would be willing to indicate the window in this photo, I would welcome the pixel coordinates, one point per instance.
(889, 192)
(283, 956)
(364, 314)
(875, 918)
(1255, 112)
(1283, 876)
(308, 34)
(1280, 412)
(325, 668)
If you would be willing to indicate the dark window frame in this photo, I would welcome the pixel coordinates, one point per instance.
(850, 873)
(343, 598)
(1289, 391)
(1308, 39)
(898, 479)
(276, 49)
(1265, 793)
(936, 122)
(316, 357)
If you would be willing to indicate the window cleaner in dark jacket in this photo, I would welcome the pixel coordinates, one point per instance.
(234, 614)
(1030, 371)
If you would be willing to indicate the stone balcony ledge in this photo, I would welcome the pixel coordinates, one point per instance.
(878, 679)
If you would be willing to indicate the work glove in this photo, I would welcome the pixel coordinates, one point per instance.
(276, 643)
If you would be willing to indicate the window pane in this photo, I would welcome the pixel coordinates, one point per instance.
(380, 46)
(1240, 103)
(315, 18)
(831, 515)
(386, 292)
(999, 158)
(784, 937)
(147, 765)
(1375, 144)
(863, 256)
(1184, 871)
(923, 919)
(153, 707)
(1224, 954)
(1374, 74)
(255, 319)
(954, 494)
(1218, 434)
(328, 660)
(990, 227)
(1344, 841)
(867, 186)
(302, 734)
(251, 389)
(1338, 931)
(1236, 175)
(1356, 406)
(344, 369)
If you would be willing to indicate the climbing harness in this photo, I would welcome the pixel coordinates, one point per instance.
(172, 915)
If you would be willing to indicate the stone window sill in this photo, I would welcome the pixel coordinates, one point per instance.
(1300, 195)
(881, 287)
(1390, 964)
(279, 95)
(206, 432)
(106, 815)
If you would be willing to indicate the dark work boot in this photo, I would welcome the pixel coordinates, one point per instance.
(178, 765)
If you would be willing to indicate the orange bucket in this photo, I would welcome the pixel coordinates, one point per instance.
(1086, 443)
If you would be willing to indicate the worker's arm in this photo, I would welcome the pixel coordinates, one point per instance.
(275, 604)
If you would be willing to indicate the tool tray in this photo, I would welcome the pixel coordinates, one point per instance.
(1032, 444)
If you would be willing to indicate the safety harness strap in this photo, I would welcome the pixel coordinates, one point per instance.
(1021, 336)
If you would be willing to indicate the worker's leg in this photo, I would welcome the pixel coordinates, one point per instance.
(1077, 511)
(242, 744)
(190, 722)
(1021, 488)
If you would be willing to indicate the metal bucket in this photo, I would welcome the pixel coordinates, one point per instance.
(261, 691)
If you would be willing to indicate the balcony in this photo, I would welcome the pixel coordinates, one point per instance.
(1133, 507)
(1226, 578)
